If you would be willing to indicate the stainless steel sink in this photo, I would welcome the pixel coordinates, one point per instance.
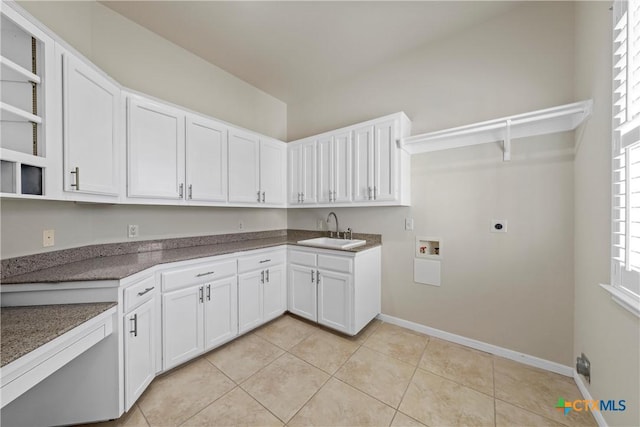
(328, 242)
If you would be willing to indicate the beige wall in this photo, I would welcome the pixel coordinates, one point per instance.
(514, 290)
(606, 333)
(79, 224)
(144, 61)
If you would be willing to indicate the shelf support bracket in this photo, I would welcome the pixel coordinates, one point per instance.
(507, 141)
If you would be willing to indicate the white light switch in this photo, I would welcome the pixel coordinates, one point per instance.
(408, 224)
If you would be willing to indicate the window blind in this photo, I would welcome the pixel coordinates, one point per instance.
(625, 239)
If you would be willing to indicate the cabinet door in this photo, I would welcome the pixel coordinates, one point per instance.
(249, 300)
(385, 162)
(335, 300)
(302, 291)
(206, 159)
(220, 312)
(274, 294)
(182, 322)
(139, 351)
(309, 174)
(294, 160)
(325, 169)
(156, 150)
(363, 164)
(273, 155)
(244, 167)
(341, 173)
(90, 131)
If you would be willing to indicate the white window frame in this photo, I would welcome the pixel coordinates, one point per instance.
(625, 203)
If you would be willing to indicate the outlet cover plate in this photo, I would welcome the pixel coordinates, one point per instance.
(132, 231)
(48, 238)
(498, 226)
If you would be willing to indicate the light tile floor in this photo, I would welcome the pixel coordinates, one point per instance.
(291, 372)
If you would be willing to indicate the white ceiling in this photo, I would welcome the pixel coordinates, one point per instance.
(295, 49)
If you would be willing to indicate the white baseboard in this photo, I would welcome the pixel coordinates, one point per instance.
(587, 396)
(482, 346)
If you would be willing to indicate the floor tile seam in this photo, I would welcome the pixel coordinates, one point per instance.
(220, 369)
(307, 401)
(415, 369)
(260, 403)
(388, 355)
(493, 377)
(532, 412)
(345, 362)
(366, 393)
(210, 403)
(456, 382)
(143, 415)
(259, 370)
(414, 418)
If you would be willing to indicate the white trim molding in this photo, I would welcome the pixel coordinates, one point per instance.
(587, 396)
(527, 359)
(622, 299)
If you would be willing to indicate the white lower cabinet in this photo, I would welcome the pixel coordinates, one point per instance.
(338, 290)
(261, 288)
(201, 314)
(140, 329)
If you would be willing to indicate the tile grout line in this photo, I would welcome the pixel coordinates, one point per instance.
(493, 376)
(534, 413)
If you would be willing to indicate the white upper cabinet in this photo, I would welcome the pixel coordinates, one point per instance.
(206, 160)
(334, 168)
(257, 169)
(30, 152)
(302, 173)
(273, 172)
(155, 136)
(244, 167)
(91, 129)
(361, 165)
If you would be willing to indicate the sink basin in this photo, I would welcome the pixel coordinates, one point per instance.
(328, 242)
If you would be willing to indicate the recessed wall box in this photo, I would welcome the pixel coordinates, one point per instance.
(429, 247)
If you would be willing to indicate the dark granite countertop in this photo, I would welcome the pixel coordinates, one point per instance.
(104, 265)
(24, 329)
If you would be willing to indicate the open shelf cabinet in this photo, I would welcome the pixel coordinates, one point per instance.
(26, 68)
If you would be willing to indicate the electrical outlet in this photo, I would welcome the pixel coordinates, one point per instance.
(48, 238)
(240, 225)
(132, 231)
(408, 224)
(498, 225)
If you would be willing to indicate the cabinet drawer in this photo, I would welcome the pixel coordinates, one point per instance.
(302, 258)
(181, 277)
(254, 262)
(136, 294)
(335, 263)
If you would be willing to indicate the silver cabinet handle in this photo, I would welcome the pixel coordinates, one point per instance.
(262, 276)
(375, 189)
(299, 197)
(369, 188)
(181, 191)
(318, 276)
(201, 291)
(76, 172)
(190, 191)
(147, 290)
(312, 276)
(302, 197)
(263, 197)
(267, 275)
(258, 196)
(134, 319)
(205, 274)
(208, 292)
(265, 260)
